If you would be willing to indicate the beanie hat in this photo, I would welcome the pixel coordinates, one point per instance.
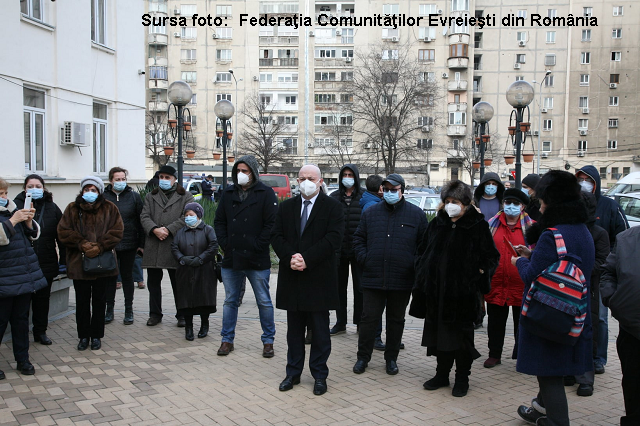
(531, 180)
(196, 208)
(458, 190)
(92, 180)
(168, 170)
(515, 194)
(558, 186)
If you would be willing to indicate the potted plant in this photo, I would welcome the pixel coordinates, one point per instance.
(173, 123)
(229, 135)
(525, 126)
(476, 165)
(216, 155)
(487, 162)
(187, 126)
(191, 153)
(512, 130)
(509, 159)
(486, 138)
(168, 150)
(528, 158)
(231, 158)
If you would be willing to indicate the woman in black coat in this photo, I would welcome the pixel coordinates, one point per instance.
(47, 216)
(195, 247)
(456, 259)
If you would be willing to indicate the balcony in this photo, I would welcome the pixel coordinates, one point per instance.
(327, 85)
(157, 39)
(278, 62)
(158, 84)
(159, 106)
(284, 41)
(157, 61)
(456, 130)
(455, 63)
(328, 129)
(457, 85)
(455, 107)
(278, 85)
(457, 38)
(333, 62)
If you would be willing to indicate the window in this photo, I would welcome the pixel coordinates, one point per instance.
(587, 11)
(327, 76)
(584, 79)
(188, 10)
(424, 32)
(290, 100)
(158, 6)
(586, 35)
(325, 53)
(188, 54)
(617, 11)
(265, 100)
(546, 146)
(225, 96)
(614, 172)
(288, 119)
(34, 122)
(389, 33)
(425, 143)
(458, 118)
(189, 33)
(346, 98)
(323, 119)
(427, 55)
(157, 72)
(613, 123)
(519, 77)
(626, 171)
(522, 14)
(583, 124)
(614, 78)
(32, 8)
(615, 56)
(477, 40)
(223, 10)
(429, 77)
(223, 54)
(425, 121)
(346, 76)
(616, 33)
(434, 167)
(548, 102)
(389, 99)
(325, 98)
(194, 99)
(459, 29)
(391, 54)
(288, 77)
(223, 77)
(390, 9)
(548, 81)
(521, 36)
(551, 36)
(266, 77)
(459, 51)
(389, 77)
(547, 125)
(99, 138)
(427, 9)
(324, 141)
(189, 76)
(346, 120)
(347, 36)
(347, 53)
(582, 146)
(521, 58)
(614, 101)
(550, 59)
(583, 102)
(585, 57)
(159, 29)
(99, 21)
(552, 13)
(457, 144)
(612, 144)
(603, 172)
(459, 5)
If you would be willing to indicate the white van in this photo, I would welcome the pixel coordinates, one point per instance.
(629, 183)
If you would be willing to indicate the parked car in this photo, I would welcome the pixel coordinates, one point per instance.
(426, 189)
(630, 204)
(279, 183)
(629, 183)
(194, 187)
(426, 201)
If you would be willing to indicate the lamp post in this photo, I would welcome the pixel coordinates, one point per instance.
(519, 95)
(546, 74)
(179, 94)
(224, 111)
(235, 140)
(482, 113)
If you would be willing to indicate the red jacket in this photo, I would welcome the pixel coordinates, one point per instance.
(506, 285)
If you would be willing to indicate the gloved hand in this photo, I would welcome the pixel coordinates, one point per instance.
(186, 260)
(94, 251)
(87, 245)
(194, 262)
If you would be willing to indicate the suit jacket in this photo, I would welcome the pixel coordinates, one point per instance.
(315, 288)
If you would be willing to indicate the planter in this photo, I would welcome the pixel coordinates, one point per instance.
(172, 123)
(476, 165)
(217, 155)
(528, 158)
(512, 130)
(187, 126)
(231, 158)
(219, 133)
(229, 135)
(509, 159)
(524, 127)
(168, 150)
(488, 162)
(190, 153)
(477, 141)
(486, 138)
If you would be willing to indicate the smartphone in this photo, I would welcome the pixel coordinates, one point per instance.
(514, 252)
(27, 201)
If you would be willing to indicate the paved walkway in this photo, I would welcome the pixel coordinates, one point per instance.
(152, 375)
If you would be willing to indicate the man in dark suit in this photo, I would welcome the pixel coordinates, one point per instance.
(307, 237)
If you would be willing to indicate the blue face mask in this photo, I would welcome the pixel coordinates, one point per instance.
(348, 182)
(392, 197)
(36, 193)
(90, 197)
(165, 185)
(119, 186)
(490, 189)
(191, 220)
(511, 210)
(3, 202)
(526, 191)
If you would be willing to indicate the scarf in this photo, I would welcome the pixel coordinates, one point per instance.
(525, 223)
(196, 224)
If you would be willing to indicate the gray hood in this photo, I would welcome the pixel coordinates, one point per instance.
(250, 161)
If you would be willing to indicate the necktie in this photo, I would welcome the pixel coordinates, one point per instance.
(305, 214)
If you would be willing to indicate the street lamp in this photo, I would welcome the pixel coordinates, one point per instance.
(546, 74)
(224, 111)
(235, 140)
(519, 95)
(482, 113)
(179, 94)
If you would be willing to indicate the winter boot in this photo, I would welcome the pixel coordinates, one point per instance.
(204, 329)
(128, 315)
(108, 316)
(188, 333)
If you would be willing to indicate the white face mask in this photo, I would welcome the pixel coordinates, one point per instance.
(243, 179)
(452, 210)
(308, 188)
(587, 186)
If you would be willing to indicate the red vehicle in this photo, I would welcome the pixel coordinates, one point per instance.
(279, 183)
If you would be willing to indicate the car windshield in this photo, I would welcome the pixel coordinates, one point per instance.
(414, 200)
(274, 181)
(631, 208)
(622, 188)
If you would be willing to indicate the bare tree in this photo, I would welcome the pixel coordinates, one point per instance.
(394, 97)
(157, 137)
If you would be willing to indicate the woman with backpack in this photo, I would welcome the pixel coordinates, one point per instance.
(561, 231)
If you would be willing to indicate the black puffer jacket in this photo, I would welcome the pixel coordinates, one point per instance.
(48, 214)
(385, 244)
(352, 211)
(130, 206)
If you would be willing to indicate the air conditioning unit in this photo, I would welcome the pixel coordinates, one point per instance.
(535, 133)
(516, 66)
(580, 153)
(522, 43)
(75, 134)
(214, 36)
(544, 155)
(439, 12)
(367, 146)
(585, 110)
(426, 129)
(274, 121)
(613, 85)
(311, 34)
(445, 75)
(176, 11)
(255, 78)
(427, 39)
(583, 133)
(543, 110)
(310, 145)
(177, 35)
(394, 39)
(337, 32)
(349, 59)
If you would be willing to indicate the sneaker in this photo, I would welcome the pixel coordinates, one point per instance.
(491, 362)
(530, 415)
(338, 329)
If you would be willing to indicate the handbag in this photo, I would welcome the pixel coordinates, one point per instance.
(103, 264)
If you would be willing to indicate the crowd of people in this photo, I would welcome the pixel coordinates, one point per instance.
(483, 253)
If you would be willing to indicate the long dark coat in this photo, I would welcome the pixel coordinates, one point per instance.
(130, 206)
(352, 211)
(448, 271)
(315, 288)
(196, 287)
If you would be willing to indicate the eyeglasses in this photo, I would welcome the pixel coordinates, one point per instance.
(392, 190)
(512, 202)
(585, 180)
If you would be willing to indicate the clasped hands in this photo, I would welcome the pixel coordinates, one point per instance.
(298, 263)
(193, 261)
(90, 249)
(162, 233)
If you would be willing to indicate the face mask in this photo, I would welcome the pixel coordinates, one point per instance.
(511, 210)
(165, 185)
(526, 191)
(119, 186)
(452, 210)
(490, 189)
(587, 186)
(308, 188)
(90, 197)
(243, 179)
(3, 202)
(36, 193)
(392, 197)
(191, 220)
(348, 182)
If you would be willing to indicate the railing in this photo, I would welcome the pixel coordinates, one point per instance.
(284, 40)
(278, 62)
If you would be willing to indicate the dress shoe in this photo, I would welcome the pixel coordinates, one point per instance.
(379, 345)
(204, 329)
(569, 380)
(95, 344)
(308, 337)
(531, 415)
(181, 322)
(436, 382)
(598, 368)
(585, 390)
(108, 316)
(225, 348)
(2, 376)
(392, 367)
(288, 382)
(42, 338)
(141, 284)
(83, 344)
(460, 389)
(267, 351)
(152, 321)
(26, 368)
(491, 362)
(128, 316)
(188, 333)
(338, 329)
(401, 345)
(320, 387)
(360, 366)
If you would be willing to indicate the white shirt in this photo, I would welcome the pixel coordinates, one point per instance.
(313, 201)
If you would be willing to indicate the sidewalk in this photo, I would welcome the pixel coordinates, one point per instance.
(152, 375)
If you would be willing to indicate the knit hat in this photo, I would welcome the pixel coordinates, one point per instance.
(92, 180)
(395, 180)
(558, 186)
(458, 190)
(196, 208)
(531, 180)
(168, 170)
(515, 194)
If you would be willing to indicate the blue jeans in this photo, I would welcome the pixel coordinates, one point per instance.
(232, 280)
(603, 335)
